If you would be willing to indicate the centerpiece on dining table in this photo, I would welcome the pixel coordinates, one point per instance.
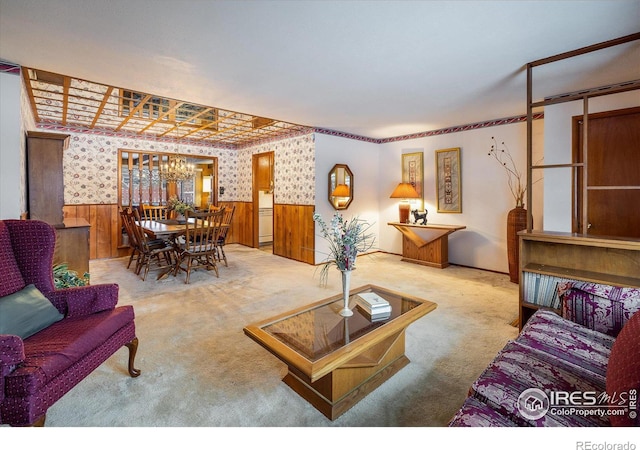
(346, 239)
(179, 208)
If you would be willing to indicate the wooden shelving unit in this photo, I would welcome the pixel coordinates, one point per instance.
(597, 259)
(46, 199)
(580, 169)
(553, 256)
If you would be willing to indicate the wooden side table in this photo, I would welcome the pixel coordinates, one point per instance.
(426, 244)
(72, 245)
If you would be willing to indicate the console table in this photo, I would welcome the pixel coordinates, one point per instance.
(426, 244)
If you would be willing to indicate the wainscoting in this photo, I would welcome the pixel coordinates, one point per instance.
(105, 228)
(294, 232)
(293, 229)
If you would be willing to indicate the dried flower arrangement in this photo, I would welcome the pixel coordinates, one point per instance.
(503, 156)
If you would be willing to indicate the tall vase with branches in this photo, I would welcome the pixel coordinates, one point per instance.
(514, 176)
(517, 217)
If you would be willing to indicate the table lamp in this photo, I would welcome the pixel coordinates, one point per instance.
(341, 190)
(405, 191)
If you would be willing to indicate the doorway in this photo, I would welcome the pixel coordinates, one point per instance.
(263, 186)
(612, 169)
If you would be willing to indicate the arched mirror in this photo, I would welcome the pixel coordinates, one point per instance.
(340, 186)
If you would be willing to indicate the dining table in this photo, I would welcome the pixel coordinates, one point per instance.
(163, 229)
(167, 229)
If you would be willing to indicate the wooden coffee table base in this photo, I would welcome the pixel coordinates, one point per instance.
(335, 362)
(345, 386)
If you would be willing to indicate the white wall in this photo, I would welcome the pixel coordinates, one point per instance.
(362, 158)
(11, 162)
(557, 150)
(486, 199)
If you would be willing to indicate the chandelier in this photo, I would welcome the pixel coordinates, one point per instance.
(177, 168)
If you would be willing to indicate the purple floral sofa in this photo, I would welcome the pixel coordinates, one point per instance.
(50, 339)
(578, 369)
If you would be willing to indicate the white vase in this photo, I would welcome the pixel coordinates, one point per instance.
(346, 281)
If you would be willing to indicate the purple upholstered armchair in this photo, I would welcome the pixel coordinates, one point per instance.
(39, 367)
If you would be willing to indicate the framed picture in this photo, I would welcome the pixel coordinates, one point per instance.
(413, 172)
(448, 180)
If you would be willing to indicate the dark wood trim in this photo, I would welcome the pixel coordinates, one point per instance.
(587, 49)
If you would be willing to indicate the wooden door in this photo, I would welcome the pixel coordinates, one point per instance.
(265, 171)
(613, 173)
(262, 166)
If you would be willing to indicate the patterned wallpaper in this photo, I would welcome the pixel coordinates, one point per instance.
(294, 170)
(91, 167)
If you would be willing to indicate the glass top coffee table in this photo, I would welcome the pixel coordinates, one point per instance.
(336, 361)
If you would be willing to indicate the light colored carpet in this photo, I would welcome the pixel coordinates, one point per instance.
(200, 370)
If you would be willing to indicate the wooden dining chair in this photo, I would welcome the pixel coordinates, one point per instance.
(128, 222)
(151, 212)
(200, 243)
(154, 253)
(226, 222)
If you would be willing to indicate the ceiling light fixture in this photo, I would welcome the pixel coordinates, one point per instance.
(177, 168)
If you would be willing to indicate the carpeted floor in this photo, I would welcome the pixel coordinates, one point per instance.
(200, 370)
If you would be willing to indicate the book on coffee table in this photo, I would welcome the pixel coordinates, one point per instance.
(372, 303)
(376, 316)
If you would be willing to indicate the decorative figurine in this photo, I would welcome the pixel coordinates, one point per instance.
(422, 216)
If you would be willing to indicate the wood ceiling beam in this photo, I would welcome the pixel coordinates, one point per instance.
(133, 112)
(32, 99)
(74, 105)
(194, 117)
(162, 116)
(220, 120)
(177, 125)
(101, 107)
(209, 125)
(239, 124)
(587, 49)
(241, 133)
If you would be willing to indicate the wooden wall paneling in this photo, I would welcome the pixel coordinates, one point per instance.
(232, 234)
(245, 224)
(293, 232)
(310, 226)
(294, 229)
(103, 231)
(307, 233)
(103, 234)
(241, 227)
(93, 219)
(115, 231)
(279, 236)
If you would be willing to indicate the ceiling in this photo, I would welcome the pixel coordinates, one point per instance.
(71, 102)
(377, 69)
